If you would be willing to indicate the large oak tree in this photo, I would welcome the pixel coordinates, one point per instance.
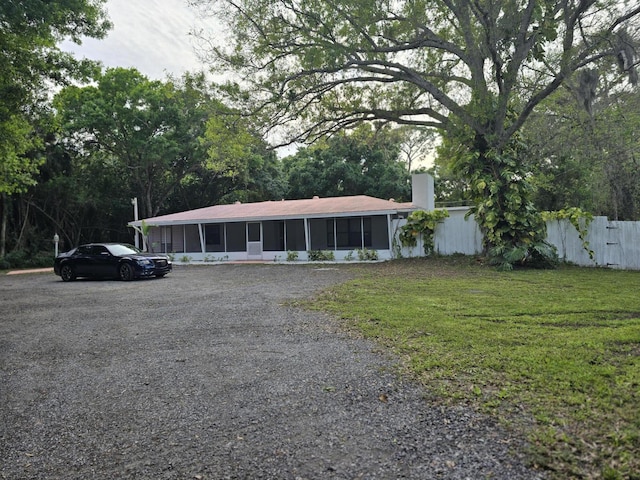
(474, 69)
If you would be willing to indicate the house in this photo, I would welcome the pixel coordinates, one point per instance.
(270, 230)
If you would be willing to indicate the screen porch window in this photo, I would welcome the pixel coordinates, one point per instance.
(349, 233)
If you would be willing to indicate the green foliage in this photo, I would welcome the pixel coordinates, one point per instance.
(321, 256)
(554, 354)
(587, 159)
(365, 254)
(362, 162)
(292, 256)
(580, 221)
(535, 255)
(17, 170)
(148, 130)
(422, 224)
(29, 57)
(26, 259)
(513, 230)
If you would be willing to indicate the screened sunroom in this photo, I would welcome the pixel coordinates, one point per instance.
(272, 230)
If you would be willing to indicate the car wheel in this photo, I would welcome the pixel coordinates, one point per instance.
(67, 273)
(126, 272)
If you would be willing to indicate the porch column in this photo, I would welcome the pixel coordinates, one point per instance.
(307, 235)
(201, 235)
(390, 233)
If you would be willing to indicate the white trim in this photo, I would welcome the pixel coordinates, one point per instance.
(201, 233)
(372, 213)
(307, 236)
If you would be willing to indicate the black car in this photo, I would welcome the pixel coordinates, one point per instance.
(110, 260)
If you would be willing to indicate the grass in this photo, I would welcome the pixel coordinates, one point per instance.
(554, 354)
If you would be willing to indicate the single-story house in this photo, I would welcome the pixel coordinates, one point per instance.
(270, 230)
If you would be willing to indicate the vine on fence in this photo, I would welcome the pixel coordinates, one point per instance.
(421, 223)
(580, 221)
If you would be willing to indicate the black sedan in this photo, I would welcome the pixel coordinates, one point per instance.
(110, 260)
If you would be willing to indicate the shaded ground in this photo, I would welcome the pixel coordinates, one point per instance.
(209, 374)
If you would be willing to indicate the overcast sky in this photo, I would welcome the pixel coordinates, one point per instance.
(150, 35)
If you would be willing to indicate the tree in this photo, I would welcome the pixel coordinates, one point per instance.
(238, 157)
(149, 130)
(589, 158)
(418, 146)
(29, 58)
(364, 162)
(170, 143)
(475, 70)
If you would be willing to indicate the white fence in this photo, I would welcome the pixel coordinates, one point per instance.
(614, 244)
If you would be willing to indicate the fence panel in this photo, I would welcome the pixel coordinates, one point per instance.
(457, 234)
(613, 244)
(625, 242)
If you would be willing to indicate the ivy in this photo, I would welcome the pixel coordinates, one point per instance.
(580, 221)
(514, 232)
(422, 223)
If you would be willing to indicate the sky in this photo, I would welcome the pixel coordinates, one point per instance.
(150, 35)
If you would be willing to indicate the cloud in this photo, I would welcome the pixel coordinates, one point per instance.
(150, 35)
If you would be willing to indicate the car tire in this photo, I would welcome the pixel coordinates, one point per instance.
(67, 273)
(125, 271)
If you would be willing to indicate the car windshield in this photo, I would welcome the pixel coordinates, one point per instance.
(123, 250)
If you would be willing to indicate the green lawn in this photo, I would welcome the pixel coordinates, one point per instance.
(554, 354)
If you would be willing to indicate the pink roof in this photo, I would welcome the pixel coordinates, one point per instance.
(316, 207)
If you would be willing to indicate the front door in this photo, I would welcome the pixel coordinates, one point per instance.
(254, 241)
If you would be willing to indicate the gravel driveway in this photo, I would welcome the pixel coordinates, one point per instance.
(210, 373)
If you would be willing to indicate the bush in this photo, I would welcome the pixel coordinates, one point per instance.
(25, 259)
(366, 254)
(321, 256)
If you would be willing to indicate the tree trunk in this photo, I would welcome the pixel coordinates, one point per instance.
(4, 204)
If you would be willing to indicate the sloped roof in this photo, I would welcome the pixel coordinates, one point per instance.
(284, 209)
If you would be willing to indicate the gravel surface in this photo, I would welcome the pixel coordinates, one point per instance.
(210, 373)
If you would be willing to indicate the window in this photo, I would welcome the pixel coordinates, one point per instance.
(295, 235)
(349, 233)
(253, 232)
(213, 237)
(192, 238)
(83, 250)
(237, 237)
(273, 232)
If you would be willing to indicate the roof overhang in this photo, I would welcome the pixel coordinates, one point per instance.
(196, 221)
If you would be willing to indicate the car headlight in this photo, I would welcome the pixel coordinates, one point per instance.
(144, 261)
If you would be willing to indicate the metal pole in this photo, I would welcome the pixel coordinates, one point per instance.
(134, 202)
(56, 239)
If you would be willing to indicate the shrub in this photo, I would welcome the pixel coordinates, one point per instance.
(25, 259)
(321, 256)
(365, 254)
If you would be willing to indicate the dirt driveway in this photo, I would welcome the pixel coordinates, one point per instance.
(209, 373)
